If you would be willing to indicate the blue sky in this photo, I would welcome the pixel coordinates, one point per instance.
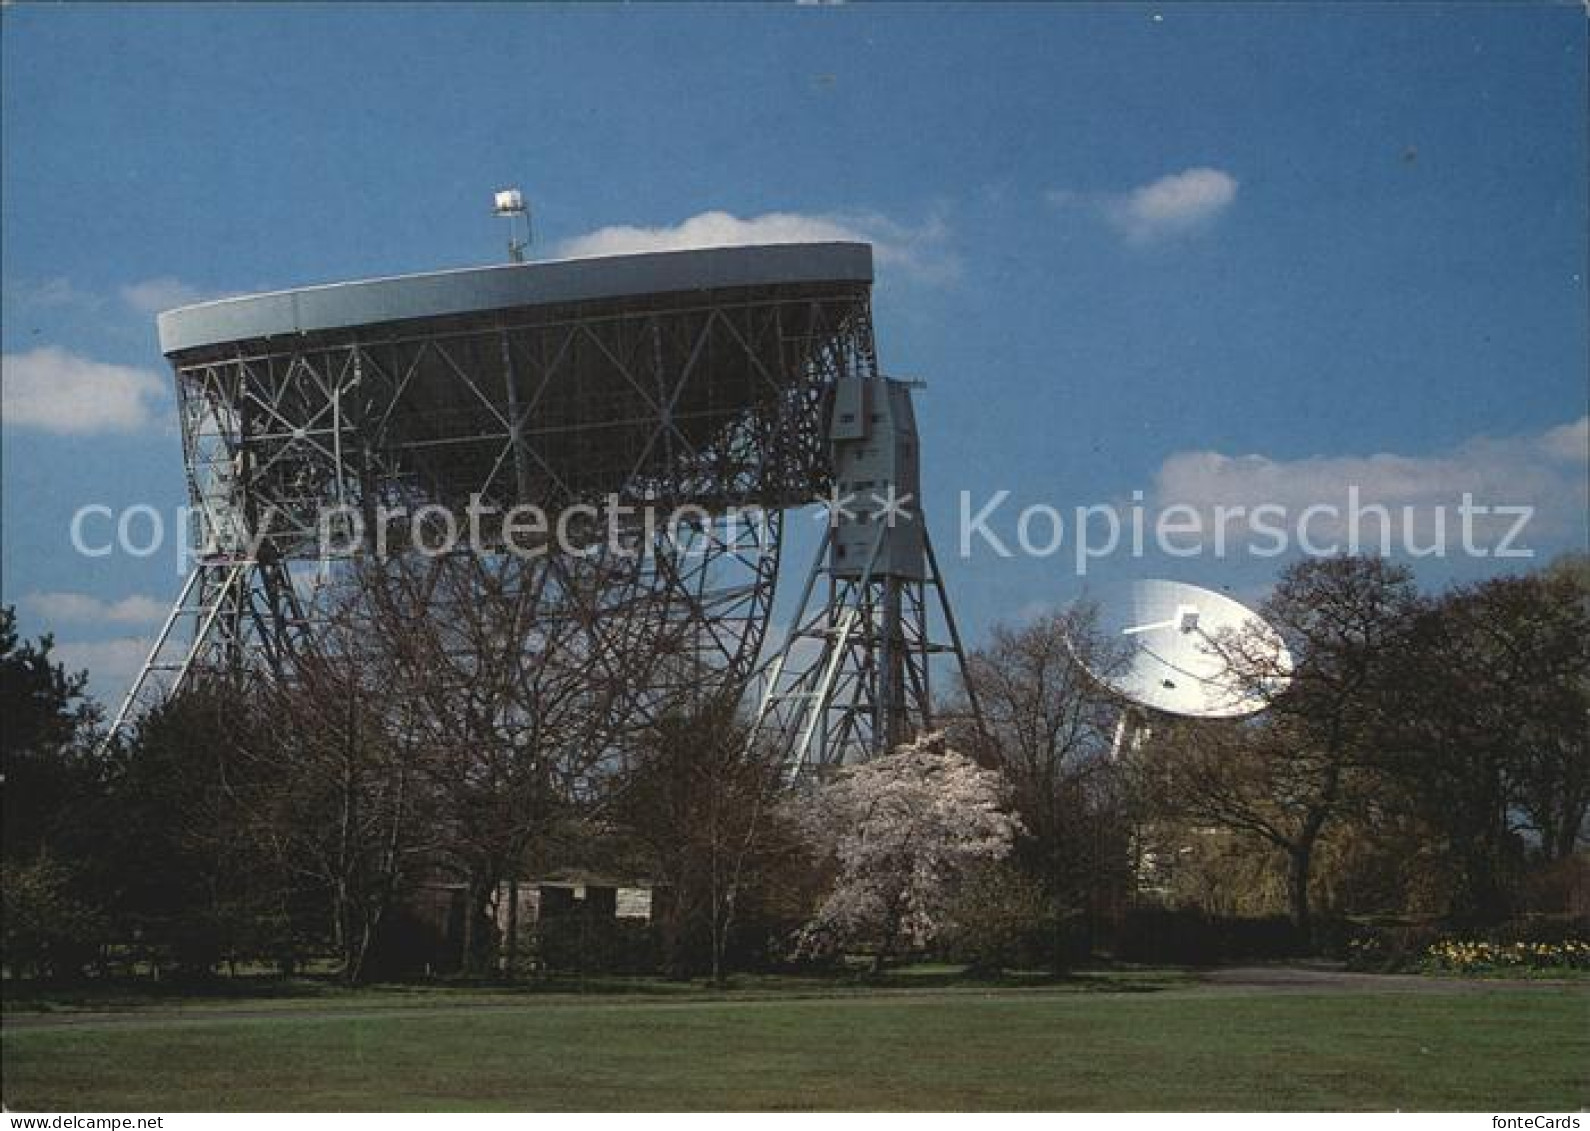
(1118, 243)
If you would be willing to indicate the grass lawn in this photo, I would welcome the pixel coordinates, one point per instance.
(1200, 1048)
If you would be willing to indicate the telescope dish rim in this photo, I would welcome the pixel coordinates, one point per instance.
(328, 307)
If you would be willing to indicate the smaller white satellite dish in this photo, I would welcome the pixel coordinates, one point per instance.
(1190, 651)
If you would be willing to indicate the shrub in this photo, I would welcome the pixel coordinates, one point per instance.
(594, 944)
(1000, 919)
(1540, 929)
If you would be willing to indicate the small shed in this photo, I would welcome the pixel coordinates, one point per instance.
(565, 893)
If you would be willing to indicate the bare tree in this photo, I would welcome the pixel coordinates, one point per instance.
(1283, 778)
(1048, 724)
(333, 791)
(701, 799)
(513, 706)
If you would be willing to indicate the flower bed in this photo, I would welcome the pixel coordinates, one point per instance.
(1459, 956)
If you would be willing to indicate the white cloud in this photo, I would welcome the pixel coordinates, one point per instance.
(1546, 471)
(1173, 205)
(151, 296)
(920, 252)
(56, 391)
(1569, 441)
(111, 664)
(82, 608)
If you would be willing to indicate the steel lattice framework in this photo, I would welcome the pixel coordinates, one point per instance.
(335, 423)
(864, 683)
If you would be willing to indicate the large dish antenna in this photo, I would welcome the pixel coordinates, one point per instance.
(691, 397)
(1191, 652)
(683, 384)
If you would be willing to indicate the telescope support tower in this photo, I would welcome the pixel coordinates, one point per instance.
(853, 676)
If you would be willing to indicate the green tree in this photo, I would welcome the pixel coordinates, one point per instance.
(173, 861)
(1487, 733)
(47, 723)
(47, 929)
(1002, 919)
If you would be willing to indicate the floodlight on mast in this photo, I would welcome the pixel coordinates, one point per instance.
(509, 204)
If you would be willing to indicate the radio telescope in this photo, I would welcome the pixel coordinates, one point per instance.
(1188, 652)
(724, 383)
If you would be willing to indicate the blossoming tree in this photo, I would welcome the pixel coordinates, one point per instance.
(901, 829)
